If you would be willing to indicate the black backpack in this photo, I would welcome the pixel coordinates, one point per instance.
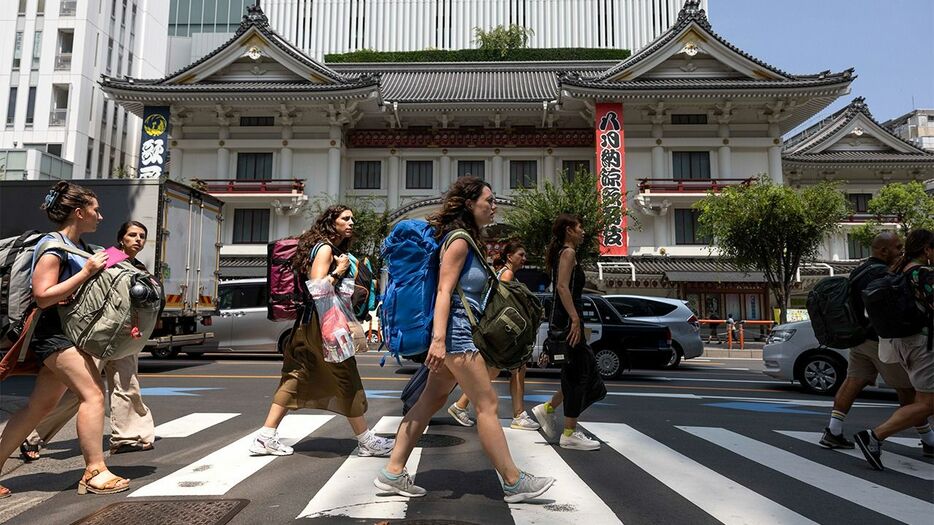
(892, 308)
(835, 320)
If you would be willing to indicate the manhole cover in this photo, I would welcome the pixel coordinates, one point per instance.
(184, 512)
(438, 441)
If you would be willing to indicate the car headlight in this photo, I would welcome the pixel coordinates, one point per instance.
(780, 336)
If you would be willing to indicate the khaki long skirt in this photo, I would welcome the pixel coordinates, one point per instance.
(308, 381)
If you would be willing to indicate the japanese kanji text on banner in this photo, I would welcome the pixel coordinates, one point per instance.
(611, 177)
(154, 150)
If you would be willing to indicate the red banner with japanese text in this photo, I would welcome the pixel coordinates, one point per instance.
(611, 177)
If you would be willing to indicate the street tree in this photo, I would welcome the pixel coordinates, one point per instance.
(771, 228)
(535, 210)
(904, 203)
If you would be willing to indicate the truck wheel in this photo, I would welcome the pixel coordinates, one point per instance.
(164, 353)
(820, 373)
(609, 363)
(673, 359)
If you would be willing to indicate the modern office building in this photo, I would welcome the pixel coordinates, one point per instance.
(50, 66)
(915, 126)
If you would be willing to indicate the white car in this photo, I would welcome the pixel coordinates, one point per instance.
(792, 352)
(686, 342)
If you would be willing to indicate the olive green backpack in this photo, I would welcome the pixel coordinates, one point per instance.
(105, 318)
(508, 325)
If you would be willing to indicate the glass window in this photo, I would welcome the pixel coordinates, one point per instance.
(856, 249)
(254, 166)
(659, 308)
(571, 168)
(251, 226)
(258, 121)
(40, 7)
(630, 306)
(607, 314)
(688, 119)
(22, 7)
(475, 168)
(11, 107)
(36, 50)
(418, 175)
(860, 201)
(234, 297)
(691, 165)
(123, 16)
(17, 50)
(31, 106)
(686, 228)
(589, 311)
(110, 54)
(133, 20)
(366, 174)
(55, 149)
(523, 174)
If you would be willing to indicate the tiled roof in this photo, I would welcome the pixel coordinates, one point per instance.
(238, 87)
(705, 83)
(862, 157)
(660, 265)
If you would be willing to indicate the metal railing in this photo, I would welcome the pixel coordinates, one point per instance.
(58, 117)
(67, 8)
(249, 186)
(63, 61)
(689, 185)
(859, 218)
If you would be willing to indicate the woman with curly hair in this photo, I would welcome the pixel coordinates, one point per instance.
(453, 357)
(308, 381)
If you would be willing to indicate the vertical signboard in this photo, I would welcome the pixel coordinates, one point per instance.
(154, 140)
(611, 177)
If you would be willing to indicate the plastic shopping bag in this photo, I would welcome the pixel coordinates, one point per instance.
(334, 316)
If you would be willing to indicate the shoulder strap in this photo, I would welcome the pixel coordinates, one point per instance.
(864, 270)
(55, 245)
(463, 234)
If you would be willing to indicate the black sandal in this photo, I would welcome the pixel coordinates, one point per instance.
(26, 449)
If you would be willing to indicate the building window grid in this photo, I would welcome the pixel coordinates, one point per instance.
(855, 248)
(367, 174)
(21, 11)
(570, 168)
(258, 121)
(419, 175)
(31, 106)
(523, 174)
(254, 166)
(691, 165)
(110, 54)
(686, 228)
(688, 119)
(11, 106)
(251, 226)
(475, 168)
(40, 7)
(860, 202)
(36, 50)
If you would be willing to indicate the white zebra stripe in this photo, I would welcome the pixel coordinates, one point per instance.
(192, 424)
(894, 462)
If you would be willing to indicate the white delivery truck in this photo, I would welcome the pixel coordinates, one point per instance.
(183, 248)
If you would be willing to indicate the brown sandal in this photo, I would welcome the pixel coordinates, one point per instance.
(111, 487)
(5, 492)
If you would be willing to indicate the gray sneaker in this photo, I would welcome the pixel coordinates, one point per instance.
(403, 485)
(528, 487)
(373, 445)
(461, 415)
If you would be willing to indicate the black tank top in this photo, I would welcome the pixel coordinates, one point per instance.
(559, 316)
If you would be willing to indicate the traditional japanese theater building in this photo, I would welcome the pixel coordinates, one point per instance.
(267, 128)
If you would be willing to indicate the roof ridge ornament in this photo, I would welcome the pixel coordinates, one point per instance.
(254, 17)
(692, 12)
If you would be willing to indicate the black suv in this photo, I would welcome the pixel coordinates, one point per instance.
(612, 338)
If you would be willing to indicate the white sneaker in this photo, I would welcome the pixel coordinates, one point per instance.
(373, 445)
(461, 415)
(578, 441)
(547, 421)
(269, 446)
(524, 422)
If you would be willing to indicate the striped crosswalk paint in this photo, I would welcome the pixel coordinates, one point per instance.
(350, 491)
(530, 452)
(894, 462)
(875, 497)
(192, 424)
(730, 502)
(220, 471)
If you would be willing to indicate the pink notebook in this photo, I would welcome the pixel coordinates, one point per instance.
(115, 256)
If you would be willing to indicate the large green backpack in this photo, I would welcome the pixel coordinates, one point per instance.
(104, 318)
(506, 330)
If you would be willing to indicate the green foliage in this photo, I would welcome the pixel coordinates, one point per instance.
(370, 226)
(501, 39)
(911, 206)
(772, 228)
(480, 55)
(535, 210)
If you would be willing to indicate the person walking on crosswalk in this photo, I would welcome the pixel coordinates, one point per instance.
(863, 363)
(453, 357)
(511, 260)
(913, 352)
(308, 381)
(581, 384)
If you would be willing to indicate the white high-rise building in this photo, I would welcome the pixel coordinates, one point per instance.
(197, 27)
(52, 56)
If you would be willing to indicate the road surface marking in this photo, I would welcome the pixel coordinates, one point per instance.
(772, 400)
(569, 501)
(874, 497)
(220, 471)
(350, 491)
(717, 495)
(894, 462)
(192, 424)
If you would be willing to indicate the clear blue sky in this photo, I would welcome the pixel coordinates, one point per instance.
(889, 42)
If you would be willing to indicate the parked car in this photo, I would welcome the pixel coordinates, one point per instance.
(612, 338)
(686, 341)
(792, 352)
(242, 325)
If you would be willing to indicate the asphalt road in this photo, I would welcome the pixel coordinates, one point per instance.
(714, 441)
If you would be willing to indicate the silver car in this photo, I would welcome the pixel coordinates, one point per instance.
(242, 325)
(792, 352)
(686, 341)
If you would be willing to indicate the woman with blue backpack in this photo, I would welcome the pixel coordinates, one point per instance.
(308, 379)
(453, 357)
(56, 277)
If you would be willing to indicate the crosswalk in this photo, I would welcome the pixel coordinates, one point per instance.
(669, 458)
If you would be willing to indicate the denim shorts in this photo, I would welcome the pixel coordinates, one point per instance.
(48, 337)
(460, 333)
